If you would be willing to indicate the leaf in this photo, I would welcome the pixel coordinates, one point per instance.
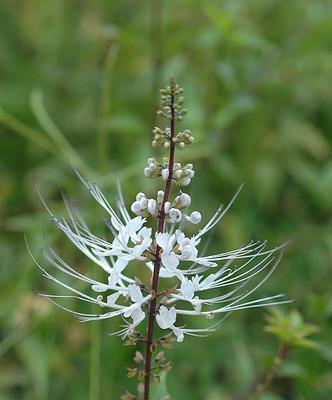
(291, 329)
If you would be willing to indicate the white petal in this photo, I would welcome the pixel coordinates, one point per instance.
(99, 288)
(187, 288)
(162, 240)
(178, 333)
(112, 298)
(161, 322)
(137, 315)
(170, 261)
(135, 293)
(135, 225)
(172, 315)
(114, 277)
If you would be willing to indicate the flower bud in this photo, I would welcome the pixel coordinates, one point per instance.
(152, 206)
(167, 206)
(143, 203)
(185, 200)
(195, 217)
(135, 207)
(147, 172)
(160, 196)
(191, 173)
(177, 174)
(185, 181)
(175, 215)
(165, 174)
(140, 196)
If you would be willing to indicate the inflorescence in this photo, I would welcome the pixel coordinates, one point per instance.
(194, 284)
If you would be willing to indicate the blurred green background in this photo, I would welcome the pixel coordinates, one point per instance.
(78, 85)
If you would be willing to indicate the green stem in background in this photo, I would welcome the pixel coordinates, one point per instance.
(157, 50)
(95, 353)
(29, 133)
(270, 375)
(262, 383)
(105, 106)
(55, 133)
(157, 263)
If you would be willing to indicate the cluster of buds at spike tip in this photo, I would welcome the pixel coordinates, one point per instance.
(173, 211)
(172, 99)
(182, 175)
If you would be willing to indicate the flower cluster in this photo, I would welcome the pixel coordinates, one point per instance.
(181, 175)
(197, 285)
(161, 138)
(174, 211)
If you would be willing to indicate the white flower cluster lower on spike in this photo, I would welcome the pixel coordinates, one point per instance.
(133, 241)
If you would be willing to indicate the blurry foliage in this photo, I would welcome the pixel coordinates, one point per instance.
(291, 329)
(77, 86)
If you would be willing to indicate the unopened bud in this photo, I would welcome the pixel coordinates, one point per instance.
(143, 203)
(177, 174)
(191, 173)
(167, 206)
(160, 196)
(165, 174)
(152, 206)
(185, 200)
(175, 215)
(185, 181)
(140, 196)
(195, 217)
(147, 172)
(135, 207)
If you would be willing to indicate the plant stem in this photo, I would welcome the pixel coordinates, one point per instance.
(280, 357)
(157, 50)
(262, 383)
(157, 263)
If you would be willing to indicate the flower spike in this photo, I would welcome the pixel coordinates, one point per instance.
(151, 232)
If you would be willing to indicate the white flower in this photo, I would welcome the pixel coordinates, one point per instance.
(187, 288)
(166, 320)
(137, 298)
(135, 233)
(168, 258)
